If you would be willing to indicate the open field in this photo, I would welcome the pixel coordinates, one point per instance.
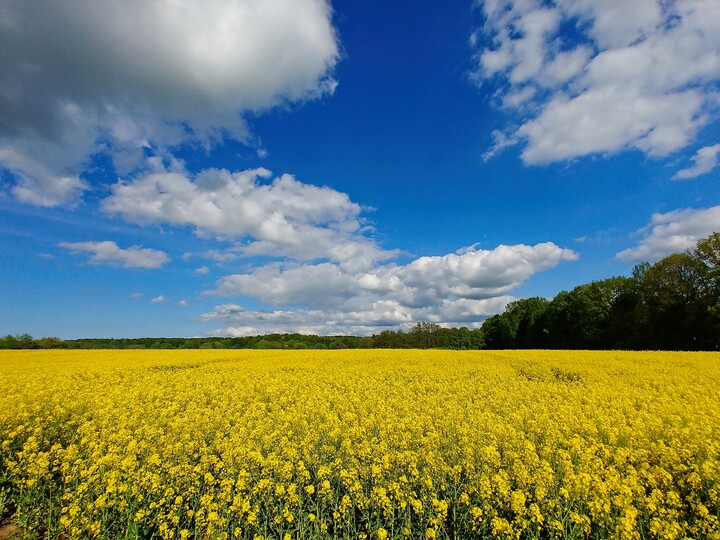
(360, 444)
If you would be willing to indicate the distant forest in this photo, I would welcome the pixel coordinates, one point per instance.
(422, 336)
(673, 304)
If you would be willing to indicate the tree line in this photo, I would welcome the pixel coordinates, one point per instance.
(673, 304)
(423, 335)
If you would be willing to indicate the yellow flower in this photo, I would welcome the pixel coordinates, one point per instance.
(512, 444)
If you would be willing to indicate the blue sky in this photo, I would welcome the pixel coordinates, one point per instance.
(253, 166)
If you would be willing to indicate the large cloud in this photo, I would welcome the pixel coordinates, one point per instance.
(673, 232)
(375, 317)
(642, 75)
(107, 252)
(462, 287)
(282, 218)
(471, 274)
(98, 75)
(332, 276)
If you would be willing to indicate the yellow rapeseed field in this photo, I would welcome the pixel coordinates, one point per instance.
(360, 444)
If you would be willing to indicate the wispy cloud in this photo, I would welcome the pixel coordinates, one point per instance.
(110, 253)
(672, 232)
(706, 159)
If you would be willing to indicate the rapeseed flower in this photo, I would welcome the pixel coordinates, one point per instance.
(349, 444)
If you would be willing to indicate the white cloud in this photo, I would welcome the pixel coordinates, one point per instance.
(706, 159)
(316, 285)
(617, 23)
(377, 316)
(219, 256)
(108, 252)
(183, 303)
(426, 281)
(35, 184)
(643, 75)
(136, 295)
(481, 273)
(501, 141)
(119, 77)
(158, 299)
(202, 270)
(282, 218)
(459, 288)
(673, 232)
(597, 121)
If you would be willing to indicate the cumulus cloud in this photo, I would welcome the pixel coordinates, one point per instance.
(672, 232)
(281, 218)
(35, 183)
(202, 270)
(379, 315)
(643, 74)
(706, 159)
(426, 281)
(110, 253)
(183, 303)
(463, 287)
(120, 77)
(158, 299)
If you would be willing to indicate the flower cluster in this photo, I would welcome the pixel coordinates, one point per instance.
(371, 444)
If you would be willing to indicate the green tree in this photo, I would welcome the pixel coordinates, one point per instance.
(389, 339)
(707, 252)
(521, 325)
(584, 317)
(426, 335)
(20, 341)
(50, 343)
(462, 338)
(529, 316)
(499, 331)
(672, 293)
